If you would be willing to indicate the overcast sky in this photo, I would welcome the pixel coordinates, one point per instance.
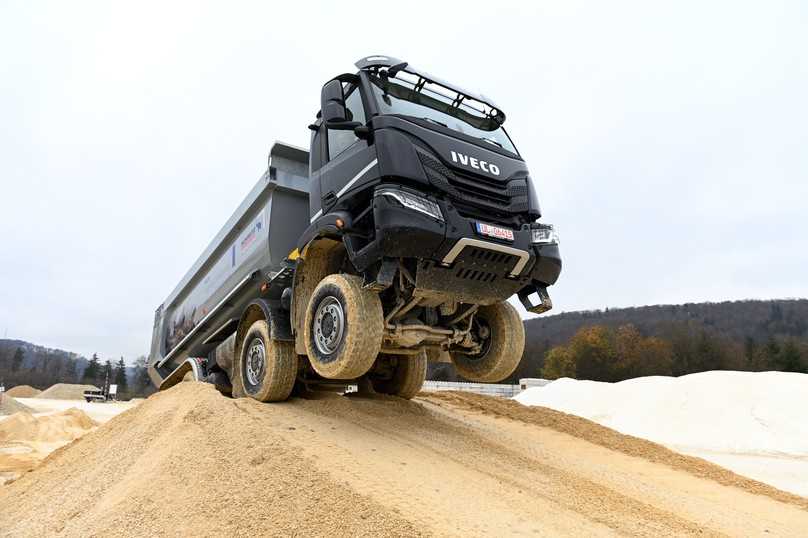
(668, 140)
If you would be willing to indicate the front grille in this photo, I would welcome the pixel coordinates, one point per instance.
(507, 197)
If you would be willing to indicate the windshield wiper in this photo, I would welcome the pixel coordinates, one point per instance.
(489, 140)
(435, 121)
(492, 141)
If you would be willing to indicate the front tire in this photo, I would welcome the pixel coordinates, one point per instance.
(266, 369)
(409, 373)
(344, 326)
(502, 333)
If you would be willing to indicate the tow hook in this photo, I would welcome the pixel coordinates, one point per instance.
(545, 303)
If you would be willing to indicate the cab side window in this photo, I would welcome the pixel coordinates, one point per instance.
(339, 141)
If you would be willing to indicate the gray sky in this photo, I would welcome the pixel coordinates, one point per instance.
(667, 140)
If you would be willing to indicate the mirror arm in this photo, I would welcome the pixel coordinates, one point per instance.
(343, 125)
(361, 130)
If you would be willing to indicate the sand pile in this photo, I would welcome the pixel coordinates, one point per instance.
(23, 391)
(26, 440)
(759, 412)
(147, 469)
(751, 422)
(58, 428)
(66, 391)
(9, 406)
(190, 462)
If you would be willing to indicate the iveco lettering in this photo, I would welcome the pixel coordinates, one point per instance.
(395, 240)
(475, 163)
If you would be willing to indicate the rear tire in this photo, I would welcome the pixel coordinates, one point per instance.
(502, 349)
(265, 369)
(343, 329)
(408, 377)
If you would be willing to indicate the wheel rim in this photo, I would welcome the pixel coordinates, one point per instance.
(255, 362)
(329, 325)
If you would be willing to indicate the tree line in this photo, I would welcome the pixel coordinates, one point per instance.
(602, 353)
(22, 363)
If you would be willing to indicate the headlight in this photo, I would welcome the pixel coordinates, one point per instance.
(414, 202)
(544, 234)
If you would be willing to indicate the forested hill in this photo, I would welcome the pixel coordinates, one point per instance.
(742, 335)
(39, 365)
(24, 363)
(737, 320)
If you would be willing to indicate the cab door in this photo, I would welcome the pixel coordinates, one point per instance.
(346, 155)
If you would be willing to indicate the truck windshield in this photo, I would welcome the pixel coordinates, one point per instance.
(409, 95)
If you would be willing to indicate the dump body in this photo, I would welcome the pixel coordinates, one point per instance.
(204, 308)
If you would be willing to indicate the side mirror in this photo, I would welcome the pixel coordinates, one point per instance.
(332, 103)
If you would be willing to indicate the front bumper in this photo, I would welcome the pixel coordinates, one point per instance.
(455, 260)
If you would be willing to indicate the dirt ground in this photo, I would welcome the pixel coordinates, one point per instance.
(191, 462)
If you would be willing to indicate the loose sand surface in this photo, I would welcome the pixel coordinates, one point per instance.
(27, 437)
(26, 440)
(190, 462)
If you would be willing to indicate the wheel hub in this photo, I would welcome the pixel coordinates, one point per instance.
(329, 325)
(482, 331)
(256, 362)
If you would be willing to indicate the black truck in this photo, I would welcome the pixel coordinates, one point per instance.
(395, 240)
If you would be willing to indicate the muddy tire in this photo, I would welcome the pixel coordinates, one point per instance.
(408, 376)
(343, 328)
(503, 336)
(265, 369)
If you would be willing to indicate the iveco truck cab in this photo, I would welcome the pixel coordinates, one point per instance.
(396, 240)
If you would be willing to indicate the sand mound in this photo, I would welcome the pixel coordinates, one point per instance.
(188, 447)
(190, 462)
(23, 391)
(738, 412)
(60, 427)
(9, 406)
(65, 391)
(751, 422)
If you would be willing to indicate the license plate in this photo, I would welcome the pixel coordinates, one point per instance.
(497, 232)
